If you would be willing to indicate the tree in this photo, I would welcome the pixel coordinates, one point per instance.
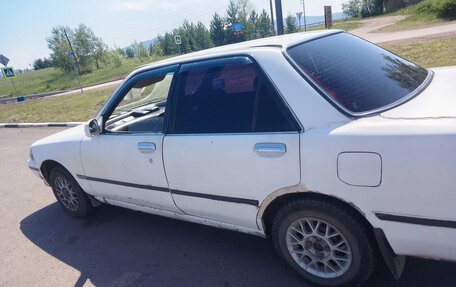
(59, 47)
(99, 51)
(129, 52)
(291, 24)
(217, 28)
(87, 47)
(252, 26)
(140, 51)
(352, 8)
(156, 48)
(38, 64)
(264, 27)
(372, 8)
(363, 8)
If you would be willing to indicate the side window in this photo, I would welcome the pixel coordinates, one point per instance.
(228, 96)
(271, 114)
(142, 107)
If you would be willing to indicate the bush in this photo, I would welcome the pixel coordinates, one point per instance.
(352, 8)
(445, 9)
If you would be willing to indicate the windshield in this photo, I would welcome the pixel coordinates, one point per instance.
(359, 76)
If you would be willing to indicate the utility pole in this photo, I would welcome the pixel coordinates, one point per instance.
(278, 8)
(272, 17)
(304, 11)
(72, 54)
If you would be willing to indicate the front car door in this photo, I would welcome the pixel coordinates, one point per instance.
(232, 141)
(124, 163)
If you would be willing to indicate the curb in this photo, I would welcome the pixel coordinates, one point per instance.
(39, 125)
(29, 97)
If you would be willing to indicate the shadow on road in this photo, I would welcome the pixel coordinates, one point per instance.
(119, 247)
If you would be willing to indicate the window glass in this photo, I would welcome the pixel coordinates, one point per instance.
(272, 115)
(358, 75)
(142, 107)
(226, 99)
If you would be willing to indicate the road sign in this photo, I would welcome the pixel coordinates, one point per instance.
(4, 60)
(8, 72)
(328, 17)
(177, 39)
(237, 27)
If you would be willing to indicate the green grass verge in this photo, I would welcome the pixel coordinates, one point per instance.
(75, 107)
(424, 14)
(414, 21)
(346, 25)
(51, 79)
(427, 53)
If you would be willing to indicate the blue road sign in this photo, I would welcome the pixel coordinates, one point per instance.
(236, 27)
(8, 72)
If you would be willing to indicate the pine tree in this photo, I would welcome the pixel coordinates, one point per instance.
(217, 28)
(291, 24)
(264, 28)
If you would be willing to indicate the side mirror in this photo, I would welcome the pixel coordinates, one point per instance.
(93, 127)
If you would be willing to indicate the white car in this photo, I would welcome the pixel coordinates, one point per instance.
(339, 150)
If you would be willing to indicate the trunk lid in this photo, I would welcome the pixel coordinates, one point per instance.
(438, 100)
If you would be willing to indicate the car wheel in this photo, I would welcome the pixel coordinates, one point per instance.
(324, 242)
(69, 194)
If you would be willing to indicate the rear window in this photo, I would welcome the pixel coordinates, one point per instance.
(358, 75)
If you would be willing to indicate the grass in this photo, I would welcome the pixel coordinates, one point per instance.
(414, 21)
(75, 107)
(427, 53)
(51, 79)
(346, 25)
(416, 17)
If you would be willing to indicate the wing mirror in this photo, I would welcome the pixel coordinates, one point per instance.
(93, 127)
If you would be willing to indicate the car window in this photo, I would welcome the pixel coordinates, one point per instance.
(271, 114)
(142, 107)
(358, 75)
(231, 97)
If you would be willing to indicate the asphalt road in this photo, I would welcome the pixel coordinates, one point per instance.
(41, 246)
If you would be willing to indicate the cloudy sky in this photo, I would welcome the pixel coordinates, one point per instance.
(25, 24)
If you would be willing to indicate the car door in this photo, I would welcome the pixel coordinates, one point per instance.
(232, 141)
(124, 163)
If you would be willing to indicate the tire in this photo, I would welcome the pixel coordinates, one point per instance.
(345, 257)
(69, 194)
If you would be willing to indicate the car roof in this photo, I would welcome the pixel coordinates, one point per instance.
(282, 42)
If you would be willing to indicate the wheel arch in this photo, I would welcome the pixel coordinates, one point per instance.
(272, 204)
(47, 166)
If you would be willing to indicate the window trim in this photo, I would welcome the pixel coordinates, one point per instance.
(120, 93)
(264, 76)
(338, 106)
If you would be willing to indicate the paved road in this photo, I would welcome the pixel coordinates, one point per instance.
(367, 31)
(41, 246)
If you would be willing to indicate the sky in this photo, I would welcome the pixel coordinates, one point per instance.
(25, 24)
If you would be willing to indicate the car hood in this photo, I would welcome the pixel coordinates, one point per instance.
(72, 134)
(438, 100)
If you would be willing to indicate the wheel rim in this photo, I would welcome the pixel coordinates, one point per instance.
(66, 193)
(318, 247)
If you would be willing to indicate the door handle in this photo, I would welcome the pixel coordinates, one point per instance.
(270, 148)
(147, 147)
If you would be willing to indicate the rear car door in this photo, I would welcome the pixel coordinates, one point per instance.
(232, 141)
